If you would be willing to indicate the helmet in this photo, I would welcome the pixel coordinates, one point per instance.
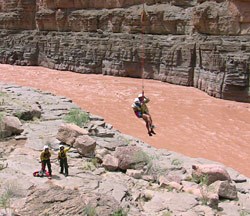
(45, 147)
(140, 95)
(61, 146)
(137, 101)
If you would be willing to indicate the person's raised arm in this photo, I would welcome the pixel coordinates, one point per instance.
(67, 149)
(146, 100)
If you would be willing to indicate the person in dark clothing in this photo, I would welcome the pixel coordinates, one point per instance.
(62, 157)
(45, 160)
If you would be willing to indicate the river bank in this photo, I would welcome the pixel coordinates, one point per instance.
(188, 121)
(145, 180)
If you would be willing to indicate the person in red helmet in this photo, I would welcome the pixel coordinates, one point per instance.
(141, 111)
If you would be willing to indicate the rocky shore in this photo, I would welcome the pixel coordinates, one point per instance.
(109, 173)
(204, 44)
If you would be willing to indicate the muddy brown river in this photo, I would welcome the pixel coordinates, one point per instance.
(187, 120)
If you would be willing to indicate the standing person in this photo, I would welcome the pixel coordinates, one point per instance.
(45, 159)
(62, 157)
(141, 111)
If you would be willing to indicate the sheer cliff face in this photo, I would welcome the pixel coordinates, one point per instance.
(197, 43)
(164, 16)
(17, 14)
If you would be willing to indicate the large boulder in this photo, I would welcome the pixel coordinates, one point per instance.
(10, 125)
(29, 114)
(209, 198)
(224, 189)
(131, 157)
(110, 163)
(100, 153)
(165, 182)
(137, 174)
(68, 133)
(210, 173)
(99, 131)
(85, 145)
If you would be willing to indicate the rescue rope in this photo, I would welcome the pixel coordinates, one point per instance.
(143, 20)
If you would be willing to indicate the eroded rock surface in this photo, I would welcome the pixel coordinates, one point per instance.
(204, 44)
(160, 182)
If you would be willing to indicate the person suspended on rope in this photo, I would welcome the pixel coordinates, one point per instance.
(62, 157)
(141, 111)
(45, 160)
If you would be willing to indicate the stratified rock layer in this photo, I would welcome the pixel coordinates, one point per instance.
(204, 44)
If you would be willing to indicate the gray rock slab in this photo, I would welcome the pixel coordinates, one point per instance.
(41, 133)
(109, 191)
(175, 202)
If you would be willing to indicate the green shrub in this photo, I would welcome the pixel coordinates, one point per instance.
(204, 180)
(1, 125)
(5, 200)
(168, 213)
(3, 97)
(1, 116)
(94, 161)
(151, 167)
(142, 156)
(2, 94)
(201, 180)
(18, 114)
(89, 210)
(244, 212)
(119, 212)
(77, 116)
(10, 191)
(89, 166)
(176, 162)
(124, 140)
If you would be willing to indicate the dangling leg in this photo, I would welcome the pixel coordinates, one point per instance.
(148, 126)
(151, 125)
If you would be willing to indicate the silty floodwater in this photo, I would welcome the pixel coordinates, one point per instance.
(187, 120)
